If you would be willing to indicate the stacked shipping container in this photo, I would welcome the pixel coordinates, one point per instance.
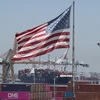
(65, 91)
(25, 92)
(68, 93)
(87, 96)
(40, 92)
(88, 92)
(83, 91)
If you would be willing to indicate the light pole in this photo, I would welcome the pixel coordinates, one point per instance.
(54, 80)
(80, 64)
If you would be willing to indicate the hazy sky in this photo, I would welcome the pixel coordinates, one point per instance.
(20, 15)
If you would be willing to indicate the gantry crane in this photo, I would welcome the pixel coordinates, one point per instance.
(6, 62)
(7, 65)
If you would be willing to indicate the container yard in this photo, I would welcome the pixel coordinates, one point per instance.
(57, 78)
(84, 90)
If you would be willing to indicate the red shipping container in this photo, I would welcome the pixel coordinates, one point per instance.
(87, 96)
(69, 89)
(80, 96)
(79, 83)
(88, 88)
(15, 95)
(58, 88)
(94, 96)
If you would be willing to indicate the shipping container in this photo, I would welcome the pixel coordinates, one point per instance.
(87, 96)
(88, 88)
(47, 87)
(68, 95)
(69, 89)
(40, 87)
(57, 98)
(16, 87)
(27, 70)
(59, 88)
(49, 95)
(58, 94)
(79, 95)
(25, 87)
(15, 95)
(34, 88)
(79, 83)
(41, 95)
(36, 96)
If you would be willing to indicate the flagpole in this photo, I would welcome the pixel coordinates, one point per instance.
(54, 80)
(73, 52)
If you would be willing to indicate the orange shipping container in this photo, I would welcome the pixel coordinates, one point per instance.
(34, 96)
(32, 88)
(37, 87)
(41, 95)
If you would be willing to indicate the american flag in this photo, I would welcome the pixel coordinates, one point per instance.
(44, 38)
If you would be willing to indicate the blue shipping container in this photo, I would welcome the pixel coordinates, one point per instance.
(16, 87)
(68, 94)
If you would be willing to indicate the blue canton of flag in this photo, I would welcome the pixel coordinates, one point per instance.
(60, 22)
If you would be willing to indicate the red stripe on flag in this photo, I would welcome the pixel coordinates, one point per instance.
(45, 39)
(41, 53)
